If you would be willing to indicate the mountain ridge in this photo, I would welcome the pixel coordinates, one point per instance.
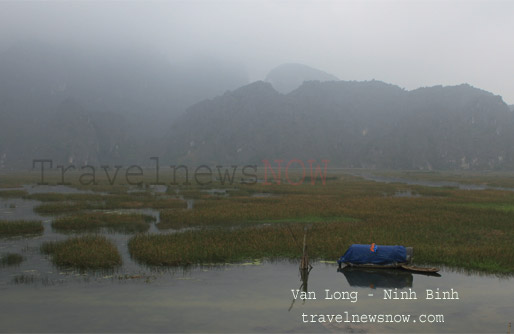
(354, 124)
(287, 77)
(51, 112)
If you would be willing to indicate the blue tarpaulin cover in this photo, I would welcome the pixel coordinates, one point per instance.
(382, 255)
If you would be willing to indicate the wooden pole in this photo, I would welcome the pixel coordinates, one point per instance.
(304, 264)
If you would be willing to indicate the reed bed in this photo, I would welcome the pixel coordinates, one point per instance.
(84, 252)
(57, 208)
(177, 219)
(11, 259)
(105, 187)
(189, 192)
(63, 197)
(57, 204)
(20, 228)
(12, 193)
(446, 226)
(16, 179)
(251, 210)
(211, 246)
(111, 221)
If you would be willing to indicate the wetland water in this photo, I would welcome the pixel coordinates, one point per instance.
(250, 297)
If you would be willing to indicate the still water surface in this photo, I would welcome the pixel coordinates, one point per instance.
(241, 298)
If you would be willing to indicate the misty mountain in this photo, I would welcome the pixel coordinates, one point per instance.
(71, 135)
(353, 124)
(122, 107)
(97, 105)
(287, 77)
(111, 80)
(75, 136)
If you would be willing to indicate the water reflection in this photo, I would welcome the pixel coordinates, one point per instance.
(235, 298)
(304, 287)
(380, 278)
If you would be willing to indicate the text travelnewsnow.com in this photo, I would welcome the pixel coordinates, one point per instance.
(346, 317)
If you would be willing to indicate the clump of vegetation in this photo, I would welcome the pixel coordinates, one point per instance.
(447, 226)
(94, 221)
(56, 204)
(507, 207)
(56, 208)
(12, 193)
(211, 246)
(11, 259)
(193, 193)
(85, 252)
(24, 279)
(62, 197)
(251, 210)
(228, 213)
(20, 228)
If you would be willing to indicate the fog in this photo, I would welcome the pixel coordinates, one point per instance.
(408, 43)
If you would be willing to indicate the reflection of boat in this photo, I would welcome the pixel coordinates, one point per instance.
(377, 278)
(375, 256)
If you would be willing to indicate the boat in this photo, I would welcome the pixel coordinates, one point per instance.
(421, 270)
(381, 256)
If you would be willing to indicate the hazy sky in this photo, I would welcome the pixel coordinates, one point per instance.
(408, 43)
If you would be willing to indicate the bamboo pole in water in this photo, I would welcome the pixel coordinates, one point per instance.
(304, 264)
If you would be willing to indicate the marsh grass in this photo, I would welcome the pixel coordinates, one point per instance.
(309, 220)
(16, 179)
(11, 259)
(209, 246)
(58, 204)
(60, 197)
(85, 252)
(193, 193)
(246, 210)
(95, 221)
(506, 207)
(24, 279)
(446, 226)
(57, 208)
(20, 228)
(442, 226)
(12, 193)
(449, 238)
